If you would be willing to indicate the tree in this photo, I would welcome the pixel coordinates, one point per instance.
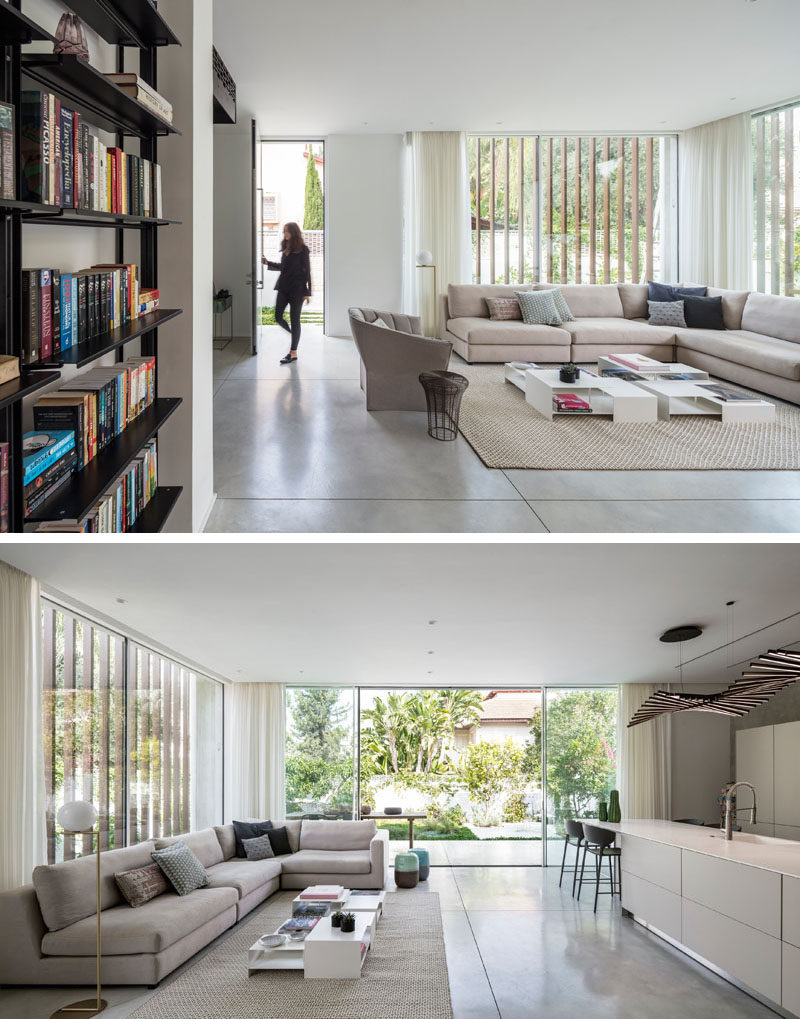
(490, 770)
(319, 760)
(314, 215)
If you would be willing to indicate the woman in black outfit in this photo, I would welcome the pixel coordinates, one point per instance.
(294, 283)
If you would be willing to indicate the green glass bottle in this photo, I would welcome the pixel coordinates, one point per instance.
(614, 810)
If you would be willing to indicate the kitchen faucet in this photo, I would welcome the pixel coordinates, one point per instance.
(730, 809)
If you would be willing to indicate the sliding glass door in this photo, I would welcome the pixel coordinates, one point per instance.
(320, 752)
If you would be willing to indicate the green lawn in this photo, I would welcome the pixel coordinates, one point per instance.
(398, 832)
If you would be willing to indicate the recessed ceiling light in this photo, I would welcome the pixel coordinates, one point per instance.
(432, 622)
(662, 121)
(732, 98)
(121, 601)
(430, 652)
(430, 672)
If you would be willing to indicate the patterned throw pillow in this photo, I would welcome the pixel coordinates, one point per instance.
(538, 308)
(503, 309)
(142, 884)
(258, 849)
(666, 313)
(181, 867)
(561, 305)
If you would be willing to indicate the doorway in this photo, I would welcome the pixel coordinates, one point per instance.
(291, 188)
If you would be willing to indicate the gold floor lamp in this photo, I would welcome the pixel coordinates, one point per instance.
(78, 818)
(425, 261)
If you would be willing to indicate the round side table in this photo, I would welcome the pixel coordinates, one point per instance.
(406, 870)
(443, 393)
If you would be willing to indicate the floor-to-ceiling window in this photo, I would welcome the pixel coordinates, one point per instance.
(573, 209)
(134, 732)
(776, 182)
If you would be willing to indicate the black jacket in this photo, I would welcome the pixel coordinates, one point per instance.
(295, 272)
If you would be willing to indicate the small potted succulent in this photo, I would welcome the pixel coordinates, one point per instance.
(569, 372)
(348, 923)
(336, 918)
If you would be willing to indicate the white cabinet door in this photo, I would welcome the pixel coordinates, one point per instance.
(754, 763)
(652, 904)
(653, 861)
(791, 979)
(746, 954)
(748, 894)
(787, 773)
(791, 910)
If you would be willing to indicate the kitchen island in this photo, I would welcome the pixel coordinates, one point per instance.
(733, 905)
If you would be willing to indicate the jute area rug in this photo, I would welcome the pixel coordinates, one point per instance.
(404, 976)
(506, 432)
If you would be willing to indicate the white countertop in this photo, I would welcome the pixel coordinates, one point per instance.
(779, 855)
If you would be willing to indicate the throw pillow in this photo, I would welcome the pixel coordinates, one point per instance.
(703, 312)
(141, 884)
(666, 313)
(538, 308)
(379, 322)
(258, 849)
(248, 830)
(671, 292)
(181, 867)
(279, 840)
(561, 306)
(503, 309)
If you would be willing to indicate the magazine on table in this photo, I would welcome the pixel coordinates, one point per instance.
(316, 909)
(726, 393)
(299, 927)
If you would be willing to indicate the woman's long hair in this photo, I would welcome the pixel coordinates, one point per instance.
(295, 244)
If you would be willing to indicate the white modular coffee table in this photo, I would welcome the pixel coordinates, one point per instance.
(330, 954)
(622, 401)
(659, 368)
(365, 904)
(676, 397)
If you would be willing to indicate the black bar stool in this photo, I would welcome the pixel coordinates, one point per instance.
(572, 830)
(599, 842)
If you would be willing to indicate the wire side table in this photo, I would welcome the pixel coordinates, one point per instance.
(443, 393)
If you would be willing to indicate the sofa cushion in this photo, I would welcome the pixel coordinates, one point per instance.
(703, 312)
(538, 308)
(504, 309)
(292, 830)
(665, 313)
(661, 292)
(634, 299)
(248, 830)
(776, 357)
(322, 861)
(153, 927)
(623, 331)
(259, 848)
(481, 330)
(204, 844)
(772, 315)
(733, 302)
(142, 884)
(245, 876)
(468, 300)
(337, 835)
(226, 837)
(279, 840)
(182, 868)
(66, 891)
(588, 300)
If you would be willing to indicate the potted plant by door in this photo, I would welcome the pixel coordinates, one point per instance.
(569, 372)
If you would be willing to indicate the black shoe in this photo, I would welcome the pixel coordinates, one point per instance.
(288, 359)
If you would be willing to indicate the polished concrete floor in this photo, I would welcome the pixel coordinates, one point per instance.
(518, 947)
(295, 451)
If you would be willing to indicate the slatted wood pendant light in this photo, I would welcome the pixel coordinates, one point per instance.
(767, 675)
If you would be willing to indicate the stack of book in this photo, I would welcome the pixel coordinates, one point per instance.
(98, 405)
(726, 393)
(48, 459)
(298, 927)
(119, 508)
(64, 163)
(61, 309)
(138, 89)
(323, 893)
(8, 166)
(3, 487)
(569, 403)
(311, 909)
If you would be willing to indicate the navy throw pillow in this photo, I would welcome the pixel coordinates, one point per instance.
(279, 840)
(248, 830)
(671, 292)
(703, 312)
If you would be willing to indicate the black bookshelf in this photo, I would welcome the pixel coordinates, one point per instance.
(80, 86)
(75, 499)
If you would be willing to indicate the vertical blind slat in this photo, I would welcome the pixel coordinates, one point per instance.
(563, 213)
(69, 726)
(85, 713)
(761, 208)
(548, 177)
(788, 204)
(635, 210)
(620, 210)
(521, 214)
(506, 197)
(477, 210)
(606, 212)
(492, 206)
(578, 249)
(592, 211)
(774, 203)
(648, 187)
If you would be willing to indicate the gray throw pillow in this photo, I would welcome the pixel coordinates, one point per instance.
(141, 884)
(259, 848)
(181, 867)
(538, 308)
(379, 322)
(666, 313)
(561, 305)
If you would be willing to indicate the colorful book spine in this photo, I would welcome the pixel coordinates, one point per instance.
(56, 311)
(4, 497)
(8, 169)
(66, 310)
(46, 314)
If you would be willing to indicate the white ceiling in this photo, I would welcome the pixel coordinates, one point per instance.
(507, 614)
(317, 67)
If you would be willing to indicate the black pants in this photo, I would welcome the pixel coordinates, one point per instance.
(295, 302)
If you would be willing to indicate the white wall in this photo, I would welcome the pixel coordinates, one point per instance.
(701, 763)
(186, 262)
(233, 220)
(364, 210)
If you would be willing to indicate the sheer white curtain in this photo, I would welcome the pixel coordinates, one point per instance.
(437, 218)
(716, 203)
(23, 840)
(645, 758)
(256, 735)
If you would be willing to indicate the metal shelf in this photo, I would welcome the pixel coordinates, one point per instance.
(17, 389)
(153, 517)
(15, 27)
(128, 23)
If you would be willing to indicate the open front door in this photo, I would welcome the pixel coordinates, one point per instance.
(257, 269)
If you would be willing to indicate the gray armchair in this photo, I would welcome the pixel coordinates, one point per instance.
(392, 356)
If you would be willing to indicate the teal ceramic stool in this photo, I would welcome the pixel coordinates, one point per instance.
(406, 870)
(424, 862)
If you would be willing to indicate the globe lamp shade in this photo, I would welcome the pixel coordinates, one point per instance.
(79, 815)
(424, 257)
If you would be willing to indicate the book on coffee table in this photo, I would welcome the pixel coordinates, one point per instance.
(569, 403)
(626, 374)
(641, 361)
(326, 892)
(299, 927)
(311, 909)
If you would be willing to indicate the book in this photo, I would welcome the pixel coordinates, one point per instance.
(139, 89)
(42, 496)
(570, 403)
(9, 368)
(66, 310)
(726, 393)
(8, 169)
(39, 448)
(45, 314)
(311, 909)
(56, 311)
(31, 316)
(59, 411)
(4, 510)
(299, 927)
(47, 479)
(67, 154)
(332, 892)
(639, 361)
(626, 374)
(34, 137)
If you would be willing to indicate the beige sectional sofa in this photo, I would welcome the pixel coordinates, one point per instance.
(48, 930)
(759, 347)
